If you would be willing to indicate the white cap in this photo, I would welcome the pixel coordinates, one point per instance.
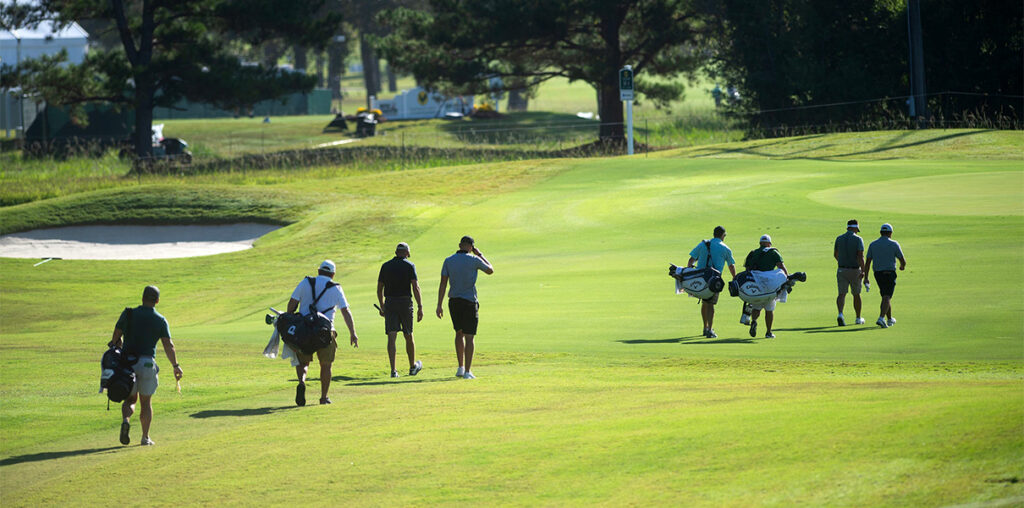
(886, 228)
(766, 238)
(327, 266)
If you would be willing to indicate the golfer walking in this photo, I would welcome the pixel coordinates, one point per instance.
(458, 276)
(329, 296)
(764, 259)
(849, 253)
(884, 252)
(145, 328)
(396, 278)
(720, 255)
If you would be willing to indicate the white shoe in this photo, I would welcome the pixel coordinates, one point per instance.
(468, 375)
(416, 368)
(881, 323)
(461, 372)
(147, 442)
(860, 321)
(394, 373)
(891, 321)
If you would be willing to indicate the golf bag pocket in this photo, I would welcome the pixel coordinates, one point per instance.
(305, 333)
(117, 376)
(703, 283)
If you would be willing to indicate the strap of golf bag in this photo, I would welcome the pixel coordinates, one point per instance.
(127, 330)
(316, 298)
(708, 244)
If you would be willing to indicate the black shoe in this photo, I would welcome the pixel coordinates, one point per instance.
(841, 321)
(125, 438)
(325, 400)
(753, 328)
(300, 394)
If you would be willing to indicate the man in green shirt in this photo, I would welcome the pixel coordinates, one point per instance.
(764, 259)
(145, 327)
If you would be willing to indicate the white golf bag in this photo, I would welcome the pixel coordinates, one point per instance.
(760, 288)
(703, 283)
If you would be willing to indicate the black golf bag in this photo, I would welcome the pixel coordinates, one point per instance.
(117, 376)
(308, 333)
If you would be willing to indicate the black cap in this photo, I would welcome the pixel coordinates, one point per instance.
(150, 294)
(852, 223)
(466, 239)
(719, 231)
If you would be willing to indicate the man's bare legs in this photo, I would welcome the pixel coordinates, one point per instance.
(410, 351)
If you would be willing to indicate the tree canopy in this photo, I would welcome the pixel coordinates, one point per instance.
(789, 57)
(169, 51)
(463, 43)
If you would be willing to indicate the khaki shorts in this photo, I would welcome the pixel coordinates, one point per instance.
(323, 355)
(849, 280)
(146, 379)
(770, 306)
(713, 300)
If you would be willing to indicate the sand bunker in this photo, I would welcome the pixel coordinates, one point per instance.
(131, 242)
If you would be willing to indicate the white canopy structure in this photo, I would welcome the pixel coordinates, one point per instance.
(24, 43)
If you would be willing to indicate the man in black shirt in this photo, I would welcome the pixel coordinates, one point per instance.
(394, 282)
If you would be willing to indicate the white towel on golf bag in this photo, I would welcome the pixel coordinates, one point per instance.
(286, 352)
(771, 282)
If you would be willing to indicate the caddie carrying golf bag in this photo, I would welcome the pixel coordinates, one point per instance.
(702, 283)
(307, 333)
(117, 376)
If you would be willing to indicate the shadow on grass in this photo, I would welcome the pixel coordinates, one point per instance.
(844, 329)
(884, 147)
(36, 457)
(687, 341)
(216, 413)
(405, 381)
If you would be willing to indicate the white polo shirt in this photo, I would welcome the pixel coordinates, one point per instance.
(331, 299)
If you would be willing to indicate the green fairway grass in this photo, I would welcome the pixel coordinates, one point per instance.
(594, 383)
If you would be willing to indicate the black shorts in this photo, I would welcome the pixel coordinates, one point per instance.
(465, 315)
(886, 282)
(398, 314)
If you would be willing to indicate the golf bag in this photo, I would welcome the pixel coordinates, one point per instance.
(760, 288)
(308, 333)
(702, 283)
(117, 376)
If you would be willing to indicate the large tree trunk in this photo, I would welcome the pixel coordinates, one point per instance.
(610, 105)
(143, 122)
(371, 68)
(392, 79)
(301, 61)
(335, 68)
(517, 100)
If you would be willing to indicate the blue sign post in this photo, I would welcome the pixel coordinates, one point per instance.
(626, 94)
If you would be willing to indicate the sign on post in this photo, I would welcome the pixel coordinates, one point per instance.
(626, 95)
(626, 83)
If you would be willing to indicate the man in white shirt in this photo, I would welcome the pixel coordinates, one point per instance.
(328, 296)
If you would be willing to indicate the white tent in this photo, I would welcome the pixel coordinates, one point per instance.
(22, 44)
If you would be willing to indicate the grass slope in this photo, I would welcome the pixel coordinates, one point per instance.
(594, 385)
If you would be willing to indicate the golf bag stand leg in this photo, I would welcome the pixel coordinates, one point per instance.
(745, 315)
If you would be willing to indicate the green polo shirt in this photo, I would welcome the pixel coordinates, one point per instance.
(763, 259)
(146, 329)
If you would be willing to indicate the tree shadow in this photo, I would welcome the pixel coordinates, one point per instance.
(36, 457)
(216, 413)
(884, 147)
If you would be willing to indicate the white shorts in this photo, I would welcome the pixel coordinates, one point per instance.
(770, 306)
(146, 379)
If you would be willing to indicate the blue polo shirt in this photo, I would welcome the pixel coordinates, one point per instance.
(883, 253)
(461, 269)
(720, 255)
